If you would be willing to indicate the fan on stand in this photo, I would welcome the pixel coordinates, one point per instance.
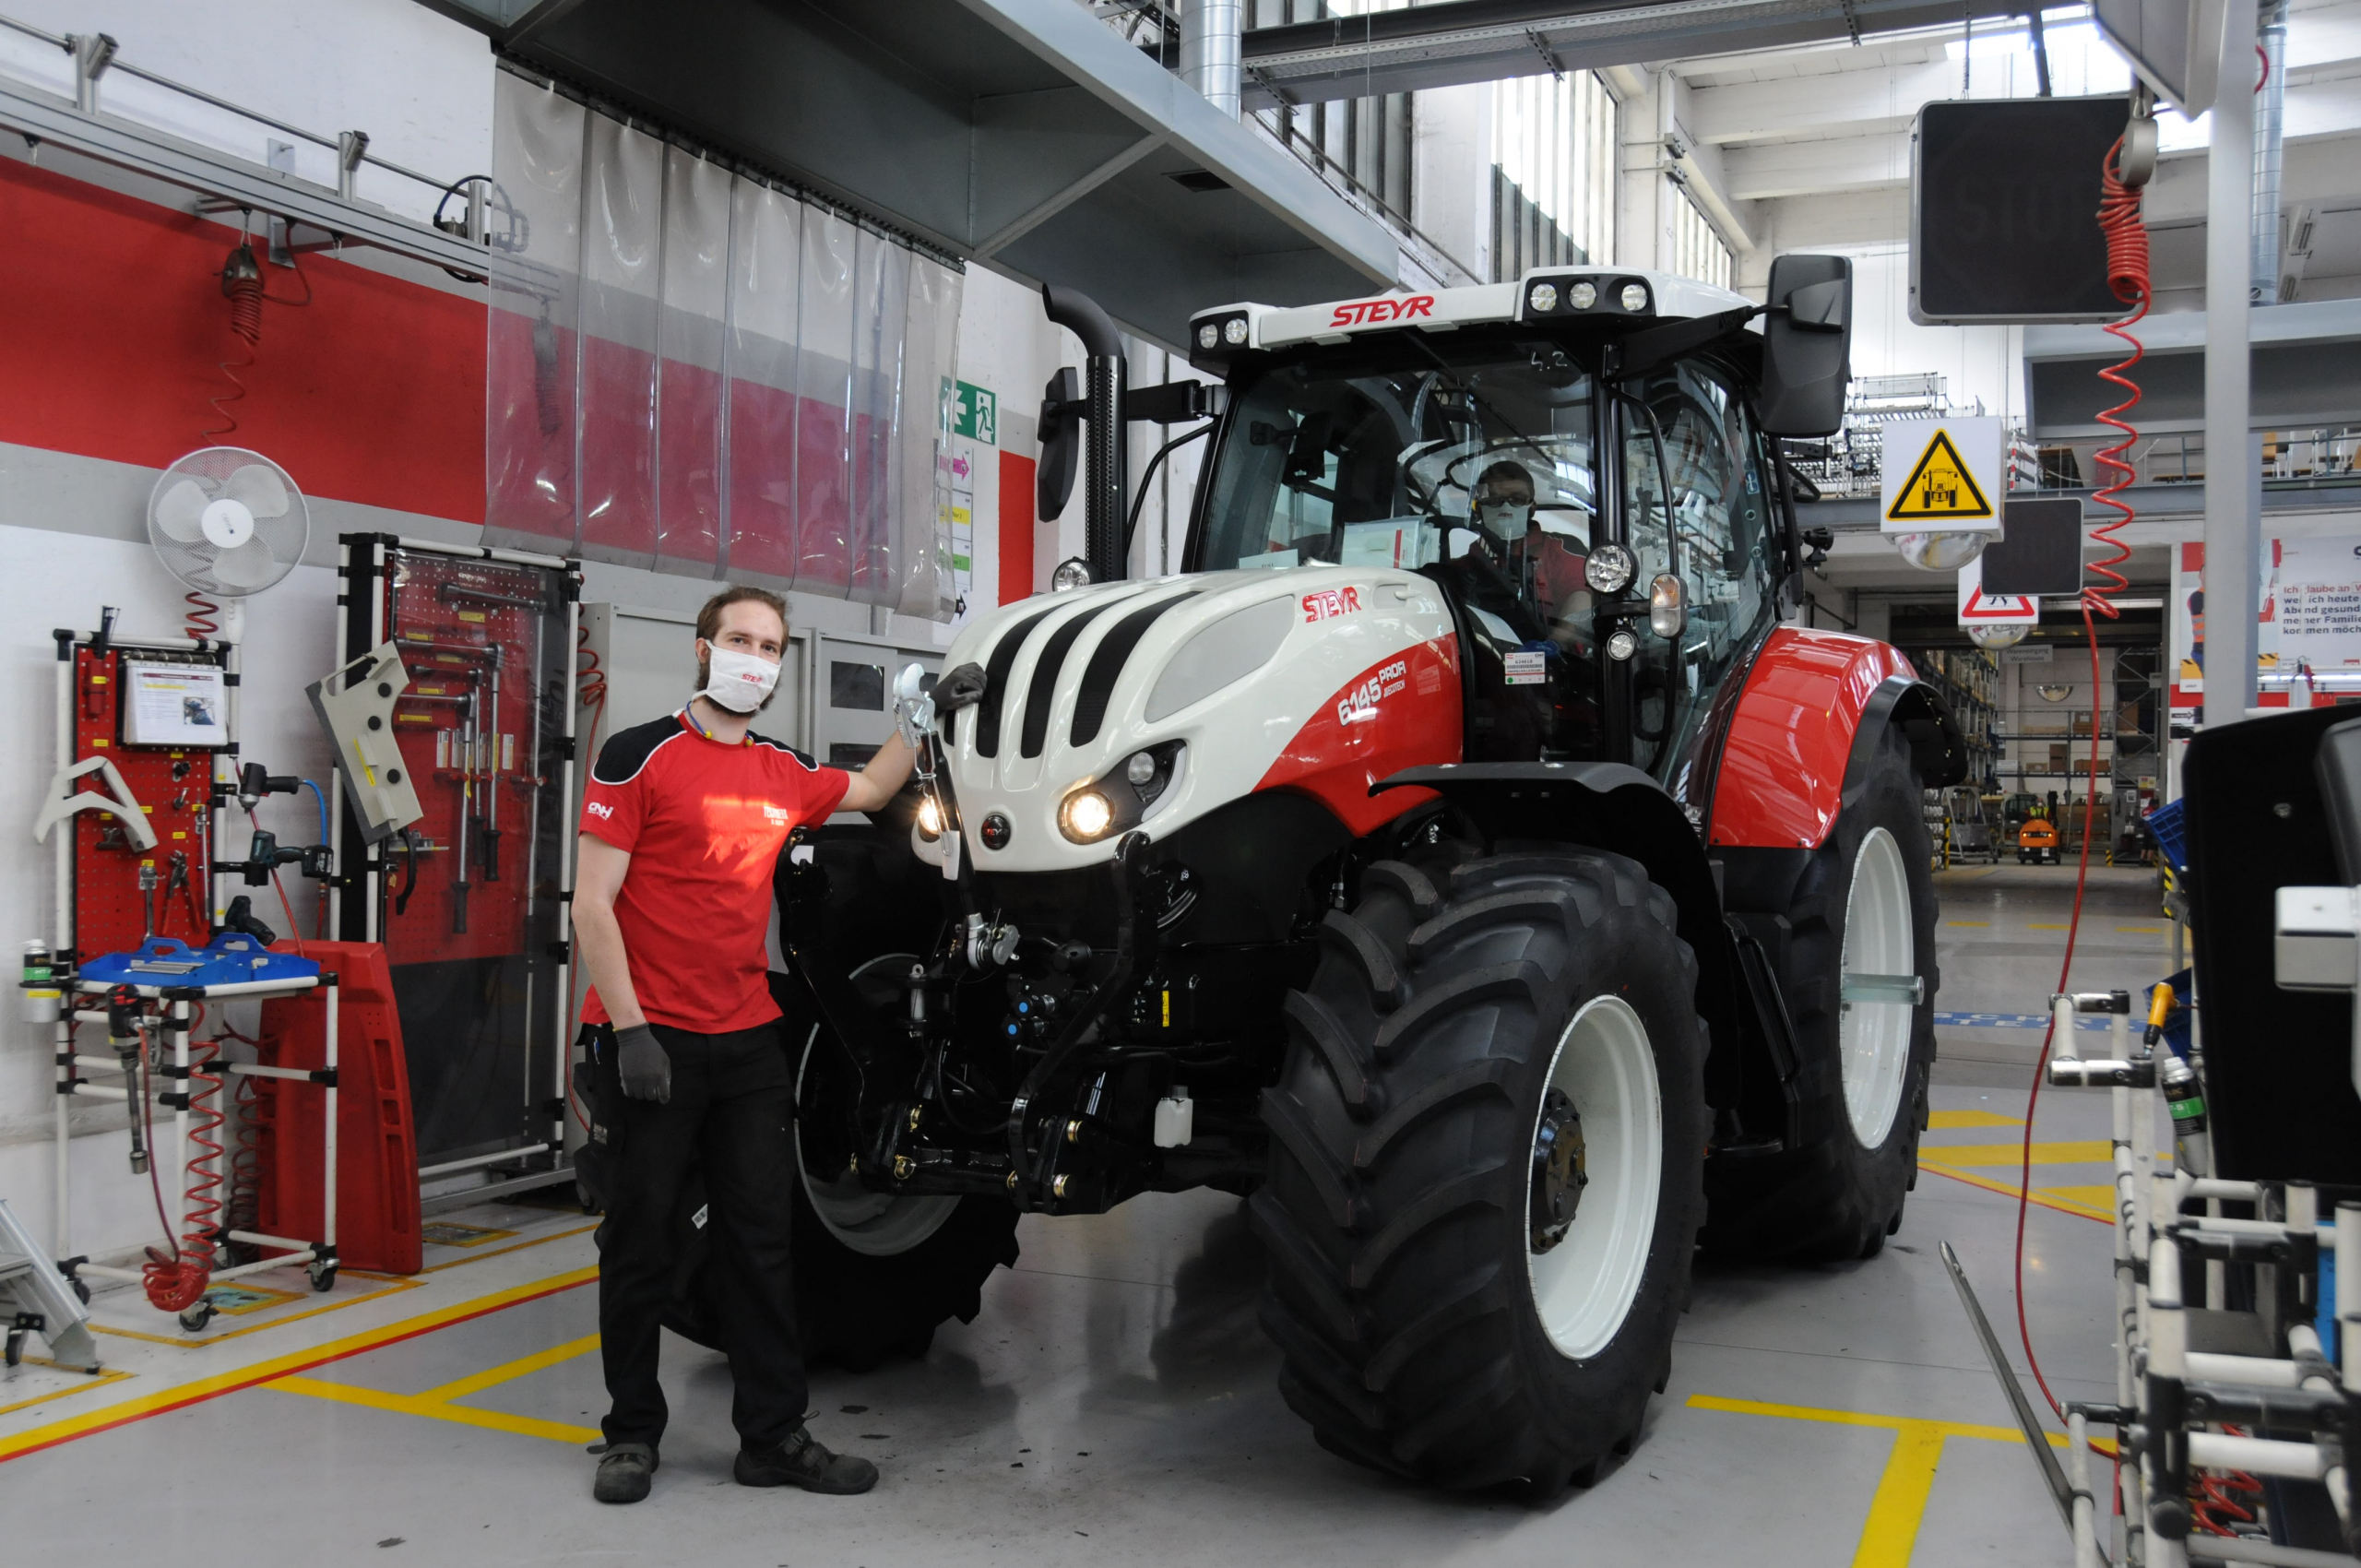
(228, 522)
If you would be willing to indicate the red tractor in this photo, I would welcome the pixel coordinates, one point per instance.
(1464, 860)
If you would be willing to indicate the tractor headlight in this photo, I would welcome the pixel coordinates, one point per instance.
(930, 817)
(1634, 297)
(1072, 573)
(1085, 816)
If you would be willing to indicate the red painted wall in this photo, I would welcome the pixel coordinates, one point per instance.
(116, 325)
(1015, 527)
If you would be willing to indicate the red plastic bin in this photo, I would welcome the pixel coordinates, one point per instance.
(376, 1186)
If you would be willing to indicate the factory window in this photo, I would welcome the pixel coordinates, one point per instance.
(1697, 251)
(1553, 172)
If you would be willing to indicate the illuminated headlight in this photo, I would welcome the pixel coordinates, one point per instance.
(1233, 332)
(930, 817)
(1622, 645)
(1634, 298)
(1209, 336)
(1543, 298)
(1072, 573)
(1610, 569)
(1581, 296)
(1085, 816)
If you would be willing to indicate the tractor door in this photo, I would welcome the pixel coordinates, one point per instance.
(1697, 503)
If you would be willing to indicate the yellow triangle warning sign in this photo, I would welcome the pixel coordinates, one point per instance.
(1939, 487)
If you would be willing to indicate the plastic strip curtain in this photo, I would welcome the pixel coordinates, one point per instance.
(693, 371)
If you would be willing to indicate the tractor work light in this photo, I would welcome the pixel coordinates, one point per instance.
(1209, 335)
(1634, 298)
(1543, 299)
(1233, 332)
(1218, 336)
(1622, 645)
(1583, 295)
(1073, 573)
(1610, 569)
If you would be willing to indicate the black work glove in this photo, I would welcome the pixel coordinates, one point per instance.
(963, 687)
(646, 1070)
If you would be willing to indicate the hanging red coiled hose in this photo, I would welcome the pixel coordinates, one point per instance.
(2127, 270)
(176, 1281)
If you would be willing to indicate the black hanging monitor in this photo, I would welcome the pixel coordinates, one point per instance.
(2039, 551)
(2004, 200)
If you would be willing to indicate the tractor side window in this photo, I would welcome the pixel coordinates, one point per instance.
(1699, 508)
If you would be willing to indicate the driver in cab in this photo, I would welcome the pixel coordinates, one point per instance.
(1546, 566)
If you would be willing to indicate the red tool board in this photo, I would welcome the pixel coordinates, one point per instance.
(172, 786)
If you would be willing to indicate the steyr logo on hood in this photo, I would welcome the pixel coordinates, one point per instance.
(1371, 312)
(1331, 603)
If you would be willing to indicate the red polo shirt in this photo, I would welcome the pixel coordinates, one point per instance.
(703, 822)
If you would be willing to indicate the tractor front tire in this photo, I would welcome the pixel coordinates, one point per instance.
(1862, 911)
(1484, 1188)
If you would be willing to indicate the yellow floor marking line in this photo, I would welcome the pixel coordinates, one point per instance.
(1968, 922)
(417, 1405)
(2143, 930)
(278, 1366)
(2036, 927)
(392, 1282)
(436, 1404)
(478, 1257)
(1892, 1530)
(2100, 1197)
(1942, 1120)
(90, 1380)
(2082, 1151)
(2103, 1215)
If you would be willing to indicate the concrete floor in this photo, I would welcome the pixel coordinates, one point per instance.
(1115, 1400)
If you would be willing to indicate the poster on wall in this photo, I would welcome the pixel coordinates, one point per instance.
(959, 462)
(2322, 575)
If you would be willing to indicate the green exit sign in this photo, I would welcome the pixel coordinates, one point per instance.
(979, 414)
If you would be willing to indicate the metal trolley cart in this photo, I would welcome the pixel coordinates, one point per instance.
(155, 991)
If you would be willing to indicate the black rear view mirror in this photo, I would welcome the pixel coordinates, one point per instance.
(1062, 408)
(1807, 345)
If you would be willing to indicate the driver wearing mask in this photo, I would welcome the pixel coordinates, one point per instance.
(1546, 567)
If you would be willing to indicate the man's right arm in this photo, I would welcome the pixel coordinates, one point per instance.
(598, 878)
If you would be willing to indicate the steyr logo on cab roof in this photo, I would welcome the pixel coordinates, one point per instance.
(1368, 312)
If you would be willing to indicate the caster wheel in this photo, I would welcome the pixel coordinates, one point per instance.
(323, 1276)
(194, 1319)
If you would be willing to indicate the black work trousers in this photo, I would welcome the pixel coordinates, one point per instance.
(731, 1106)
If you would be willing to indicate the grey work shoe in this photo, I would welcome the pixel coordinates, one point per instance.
(800, 1461)
(623, 1473)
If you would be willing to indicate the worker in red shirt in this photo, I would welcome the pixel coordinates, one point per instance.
(683, 822)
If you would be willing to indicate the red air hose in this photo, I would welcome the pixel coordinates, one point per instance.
(177, 1282)
(2127, 272)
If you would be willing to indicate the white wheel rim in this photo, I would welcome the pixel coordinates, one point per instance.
(879, 1225)
(1873, 1036)
(1583, 1287)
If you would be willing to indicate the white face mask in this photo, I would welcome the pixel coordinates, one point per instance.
(739, 682)
(1505, 519)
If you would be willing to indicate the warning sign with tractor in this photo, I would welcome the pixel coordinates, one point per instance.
(1942, 475)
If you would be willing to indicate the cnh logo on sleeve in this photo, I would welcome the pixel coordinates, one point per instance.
(600, 810)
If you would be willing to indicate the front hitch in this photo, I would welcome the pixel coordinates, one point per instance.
(1031, 1152)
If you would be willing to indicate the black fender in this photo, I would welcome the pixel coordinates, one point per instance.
(1938, 750)
(1612, 806)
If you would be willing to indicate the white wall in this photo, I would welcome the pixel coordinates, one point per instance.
(419, 84)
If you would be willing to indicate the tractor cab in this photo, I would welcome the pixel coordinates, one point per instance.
(1579, 460)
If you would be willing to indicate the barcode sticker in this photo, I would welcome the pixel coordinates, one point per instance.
(1526, 669)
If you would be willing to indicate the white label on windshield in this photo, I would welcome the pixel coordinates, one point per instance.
(1271, 558)
(1397, 543)
(1526, 669)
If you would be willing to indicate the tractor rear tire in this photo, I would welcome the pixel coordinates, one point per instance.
(1456, 1016)
(1867, 1063)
